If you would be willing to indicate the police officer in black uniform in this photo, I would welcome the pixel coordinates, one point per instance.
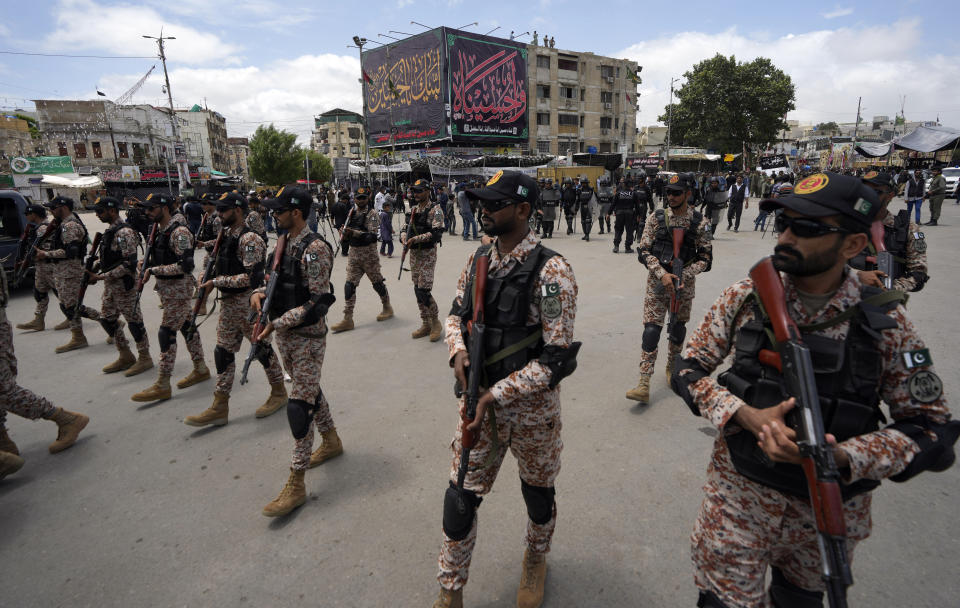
(585, 200)
(626, 208)
(550, 203)
(569, 199)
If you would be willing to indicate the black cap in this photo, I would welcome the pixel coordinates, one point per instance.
(36, 210)
(343, 194)
(107, 202)
(881, 179)
(362, 191)
(680, 181)
(291, 198)
(824, 194)
(507, 185)
(59, 200)
(231, 200)
(421, 184)
(156, 200)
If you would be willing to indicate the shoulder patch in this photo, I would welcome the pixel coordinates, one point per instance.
(925, 386)
(550, 289)
(313, 268)
(183, 240)
(917, 358)
(550, 307)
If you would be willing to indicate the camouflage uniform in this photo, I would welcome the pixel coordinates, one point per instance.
(914, 263)
(233, 325)
(526, 408)
(67, 273)
(119, 295)
(176, 295)
(254, 221)
(744, 526)
(657, 300)
(363, 260)
(423, 261)
(43, 271)
(207, 235)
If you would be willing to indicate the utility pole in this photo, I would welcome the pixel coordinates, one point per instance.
(856, 127)
(357, 40)
(669, 122)
(183, 170)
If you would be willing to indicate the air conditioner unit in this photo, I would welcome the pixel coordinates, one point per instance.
(607, 106)
(609, 79)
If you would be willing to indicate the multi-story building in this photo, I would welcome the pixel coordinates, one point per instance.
(651, 139)
(581, 102)
(204, 134)
(15, 140)
(238, 151)
(338, 133)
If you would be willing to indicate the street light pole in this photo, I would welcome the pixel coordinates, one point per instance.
(669, 123)
(183, 170)
(357, 40)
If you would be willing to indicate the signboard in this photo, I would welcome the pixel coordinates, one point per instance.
(36, 165)
(130, 173)
(487, 80)
(404, 90)
(180, 152)
(652, 162)
(6, 181)
(204, 172)
(341, 168)
(773, 162)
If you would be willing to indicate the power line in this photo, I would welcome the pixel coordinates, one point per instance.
(77, 56)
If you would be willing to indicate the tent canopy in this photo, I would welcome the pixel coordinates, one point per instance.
(72, 180)
(921, 139)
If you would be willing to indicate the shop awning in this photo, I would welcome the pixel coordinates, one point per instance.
(72, 180)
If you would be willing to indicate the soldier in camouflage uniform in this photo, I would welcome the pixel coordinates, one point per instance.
(655, 251)
(254, 220)
(14, 398)
(43, 282)
(238, 270)
(300, 302)
(425, 228)
(172, 265)
(118, 263)
(360, 233)
(530, 303)
(901, 237)
(756, 511)
(67, 252)
(207, 235)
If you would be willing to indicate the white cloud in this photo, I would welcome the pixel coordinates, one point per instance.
(287, 92)
(838, 12)
(403, 3)
(83, 25)
(830, 69)
(257, 14)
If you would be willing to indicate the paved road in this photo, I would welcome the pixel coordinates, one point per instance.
(145, 511)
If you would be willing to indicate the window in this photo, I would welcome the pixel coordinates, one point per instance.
(606, 122)
(606, 71)
(354, 149)
(581, 121)
(137, 151)
(567, 93)
(569, 120)
(353, 133)
(80, 150)
(543, 61)
(583, 93)
(567, 64)
(543, 146)
(606, 96)
(543, 118)
(122, 150)
(97, 152)
(582, 148)
(618, 71)
(543, 91)
(62, 148)
(616, 123)
(322, 134)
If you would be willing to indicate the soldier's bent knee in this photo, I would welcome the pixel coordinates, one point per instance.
(166, 337)
(651, 337)
(539, 502)
(459, 509)
(381, 288)
(138, 331)
(349, 289)
(222, 358)
(299, 413)
(785, 594)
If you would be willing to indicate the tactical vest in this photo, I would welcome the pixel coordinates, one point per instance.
(207, 232)
(895, 239)
(550, 196)
(421, 225)
(228, 262)
(510, 343)
(110, 259)
(848, 374)
(163, 254)
(81, 251)
(358, 221)
(585, 195)
(662, 247)
(291, 291)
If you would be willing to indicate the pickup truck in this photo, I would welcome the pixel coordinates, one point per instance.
(12, 223)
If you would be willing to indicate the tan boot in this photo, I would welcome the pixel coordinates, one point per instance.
(330, 448)
(77, 340)
(530, 593)
(276, 400)
(449, 599)
(386, 313)
(293, 495)
(159, 391)
(7, 444)
(35, 325)
(436, 329)
(669, 369)
(9, 464)
(642, 391)
(69, 425)
(65, 324)
(124, 361)
(198, 375)
(345, 325)
(143, 363)
(423, 331)
(215, 415)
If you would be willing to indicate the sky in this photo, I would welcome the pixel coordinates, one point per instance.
(284, 61)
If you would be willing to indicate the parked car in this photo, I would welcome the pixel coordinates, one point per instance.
(952, 175)
(12, 224)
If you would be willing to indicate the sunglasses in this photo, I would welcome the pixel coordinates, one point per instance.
(675, 192)
(418, 190)
(494, 206)
(805, 228)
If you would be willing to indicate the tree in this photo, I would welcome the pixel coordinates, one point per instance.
(828, 128)
(321, 169)
(725, 103)
(275, 159)
(31, 125)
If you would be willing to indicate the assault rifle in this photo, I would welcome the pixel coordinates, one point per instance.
(88, 269)
(21, 268)
(676, 271)
(792, 359)
(342, 229)
(406, 245)
(201, 293)
(147, 255)
(258, 351)
(884, 259)
(477, 329)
